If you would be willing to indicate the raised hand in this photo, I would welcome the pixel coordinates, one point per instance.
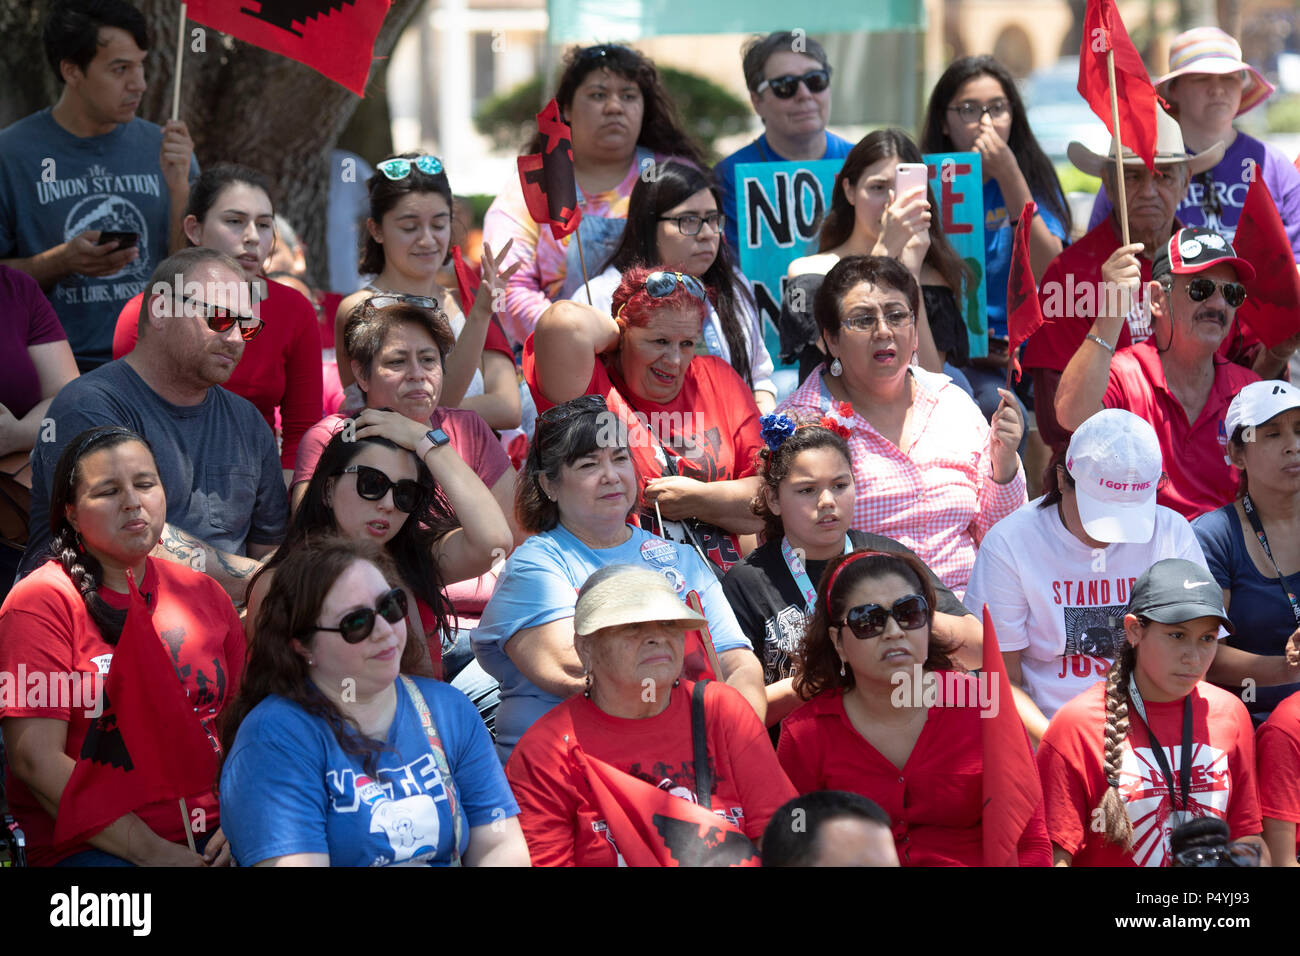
(492, 289)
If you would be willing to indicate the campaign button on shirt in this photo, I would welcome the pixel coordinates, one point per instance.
(659, 552)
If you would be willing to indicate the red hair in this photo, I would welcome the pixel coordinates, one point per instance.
(639, 306)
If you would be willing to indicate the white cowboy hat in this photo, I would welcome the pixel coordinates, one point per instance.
(1169, 150)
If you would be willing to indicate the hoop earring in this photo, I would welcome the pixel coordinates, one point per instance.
(836, 368)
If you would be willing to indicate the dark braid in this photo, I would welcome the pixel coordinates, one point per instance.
(1115, 818)
(86, 573)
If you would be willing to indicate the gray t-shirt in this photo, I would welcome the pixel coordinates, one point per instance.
(54, 185)
(217, 460)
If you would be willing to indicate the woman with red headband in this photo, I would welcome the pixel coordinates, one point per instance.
(889, 717)
(689, 420)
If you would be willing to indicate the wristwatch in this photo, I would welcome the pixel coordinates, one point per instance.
(433, 438)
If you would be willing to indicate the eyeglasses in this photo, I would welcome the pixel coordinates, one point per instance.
(576, 406)
(220, 319)
(356, 626)
(691, 224)
(1201, 288)
(784, 87)
(865, 323)
(970, 111)
(868, 620)
(401, 168)
(373, 484)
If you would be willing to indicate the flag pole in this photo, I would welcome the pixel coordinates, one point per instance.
(1119, 147)
(582, 260)
(189, 831)
(176, 92)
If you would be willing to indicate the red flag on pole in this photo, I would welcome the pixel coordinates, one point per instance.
(1103, 30)
(147, 745)
(700, 660)
(467, 281)
(1024, 314)
(1013, 795)
(550, 189)
(336, 38)
(1272, 306)
(652, 827)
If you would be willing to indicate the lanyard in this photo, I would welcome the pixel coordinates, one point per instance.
(800, 575)
(1184, 764)
(1253, 516)
(440, 759)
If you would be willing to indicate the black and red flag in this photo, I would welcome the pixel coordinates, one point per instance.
(147, 744)
(1272, 307)
(1024, 314)
(652, 827)
(550, 189)
(336, 38)
(1103, 31)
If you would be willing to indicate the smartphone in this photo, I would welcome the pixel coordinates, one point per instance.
(909, 176)
(124, 240)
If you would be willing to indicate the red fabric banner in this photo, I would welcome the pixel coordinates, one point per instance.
(336, 38)
(550, 189)
(1013, 794)
(1024, 314)
(652, 827)
(1103, 30)
(1272, 306)
(146, 746)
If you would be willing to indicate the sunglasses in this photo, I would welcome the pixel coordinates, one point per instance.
(401, 168)
(868, 620)
(784, 87)
(391, 299)
(603, 49)
(691, 224)
(373, 484)
(356, 626)
(220, 319)
(970, 111)
(566, 410)
(1200, 289)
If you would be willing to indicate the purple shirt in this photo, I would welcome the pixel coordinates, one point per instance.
(26, 319)
(1231, 180)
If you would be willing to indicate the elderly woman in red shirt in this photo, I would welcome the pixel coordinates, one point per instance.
(889, 717)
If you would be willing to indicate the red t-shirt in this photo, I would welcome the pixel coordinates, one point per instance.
(710, 430)
(1278, 743)
(281, 368)
(558, 811)
(1070, 764)
(936, 801)
(1200, 479)
(48, 630)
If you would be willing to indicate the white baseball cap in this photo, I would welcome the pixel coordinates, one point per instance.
(1258, 402)
(1114, 458)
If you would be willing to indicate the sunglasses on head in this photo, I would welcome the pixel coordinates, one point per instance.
(868, 620)
(660, 285)
(784, 87)
(390, 299)
(220, 319)
(401, 168)
(1201, 288)
(373, 484)
(356, 626)
(566, 410)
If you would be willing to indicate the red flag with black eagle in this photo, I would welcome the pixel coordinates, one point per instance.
(147, 744)
(550, 189)
(1272, 306)
(1024, 314)
(336, 38)
(652, 827)
(1103, 30)
(1014, 826)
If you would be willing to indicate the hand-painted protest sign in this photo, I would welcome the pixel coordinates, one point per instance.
(781, 206)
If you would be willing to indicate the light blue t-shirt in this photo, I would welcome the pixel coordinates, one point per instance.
(999, 239)
(287, 786)
(54, 185)
(540, 584)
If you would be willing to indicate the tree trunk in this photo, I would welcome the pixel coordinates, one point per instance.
(241, 103)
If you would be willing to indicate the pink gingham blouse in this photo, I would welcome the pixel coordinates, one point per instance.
(939, 498)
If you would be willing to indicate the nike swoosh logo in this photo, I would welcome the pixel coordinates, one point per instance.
(1195, 584)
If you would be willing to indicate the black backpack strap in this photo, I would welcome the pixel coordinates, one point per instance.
(700, 744)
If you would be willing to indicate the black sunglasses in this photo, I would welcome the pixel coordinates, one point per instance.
(868, 620)
(220, 319)
(576, 406)
(373, 484)
(1200, 289)
(356, 626)
(784, 87)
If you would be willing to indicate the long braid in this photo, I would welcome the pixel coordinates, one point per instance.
(1118, 826)
(86, 573)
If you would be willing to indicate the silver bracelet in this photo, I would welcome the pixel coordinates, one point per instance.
(1102, 342)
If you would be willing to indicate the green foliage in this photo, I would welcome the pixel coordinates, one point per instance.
(1284, 115)
(708, 111)
(1074, 180)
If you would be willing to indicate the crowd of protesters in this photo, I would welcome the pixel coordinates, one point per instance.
(498, 577)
